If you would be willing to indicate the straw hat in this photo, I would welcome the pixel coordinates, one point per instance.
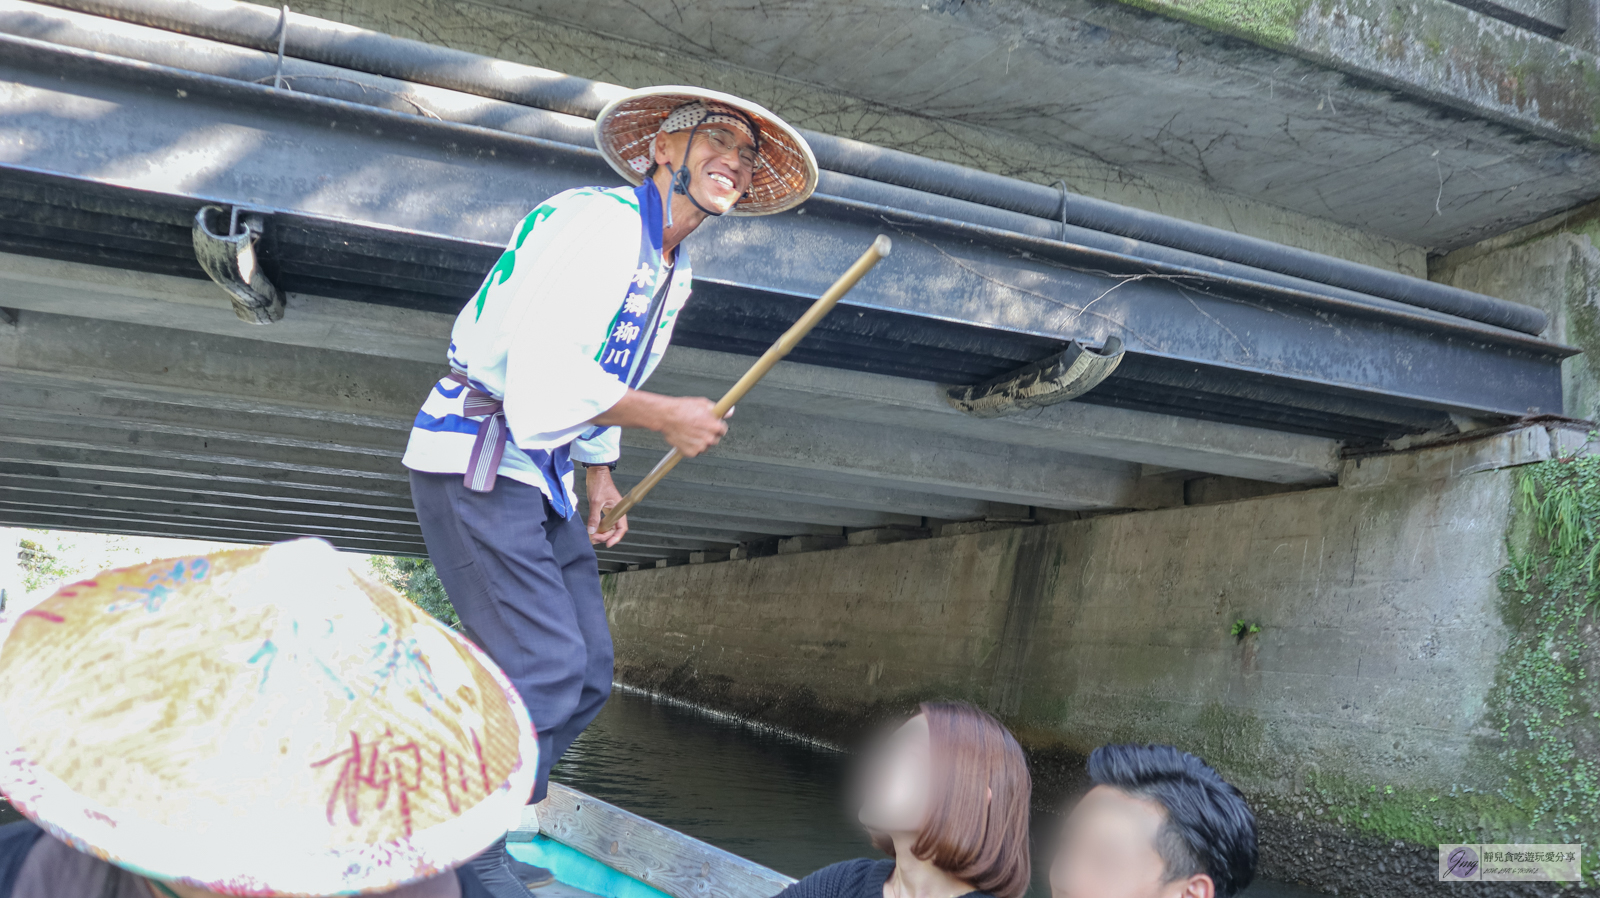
(627, 125)
(258, 722)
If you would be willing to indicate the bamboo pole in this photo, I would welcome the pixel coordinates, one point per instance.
(774, 354)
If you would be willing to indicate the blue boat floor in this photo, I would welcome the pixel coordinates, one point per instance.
(539, 852)
(577, 874)
(559, 889)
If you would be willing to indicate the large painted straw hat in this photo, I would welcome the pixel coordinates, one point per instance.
(627, 127)
(258, 722)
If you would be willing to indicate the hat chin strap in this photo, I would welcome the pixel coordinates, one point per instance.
(680, 179)
(680, 185)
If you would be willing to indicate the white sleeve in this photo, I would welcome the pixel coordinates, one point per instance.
(603, 448)
(576, 274)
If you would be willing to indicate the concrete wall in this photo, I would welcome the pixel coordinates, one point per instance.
(1377, 610)
(820, 641)
(1357, 717)
(1377, 644)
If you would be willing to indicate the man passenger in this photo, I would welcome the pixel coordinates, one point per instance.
(1157, 823)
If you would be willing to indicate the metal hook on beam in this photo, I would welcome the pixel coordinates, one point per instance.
(230, 260)
(1066, 375)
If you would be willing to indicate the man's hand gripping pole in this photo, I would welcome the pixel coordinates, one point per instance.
(774, 354)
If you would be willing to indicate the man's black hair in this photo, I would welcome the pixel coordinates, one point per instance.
(1209, 829)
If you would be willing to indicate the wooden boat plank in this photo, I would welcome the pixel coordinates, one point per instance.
(680, 865)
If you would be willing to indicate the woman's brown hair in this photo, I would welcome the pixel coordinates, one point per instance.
(977, 829)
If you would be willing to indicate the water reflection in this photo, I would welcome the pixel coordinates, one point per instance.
(775, 800)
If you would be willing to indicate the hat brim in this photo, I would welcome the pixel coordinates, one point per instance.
(786, 178)
(250, 854)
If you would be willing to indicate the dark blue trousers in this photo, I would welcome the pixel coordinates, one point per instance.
(525, 583)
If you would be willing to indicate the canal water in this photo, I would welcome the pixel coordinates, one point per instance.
(774, 799)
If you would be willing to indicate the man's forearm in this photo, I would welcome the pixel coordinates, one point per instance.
(689, 424)
(636, 409)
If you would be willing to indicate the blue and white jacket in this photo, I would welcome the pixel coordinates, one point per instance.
(534, 332)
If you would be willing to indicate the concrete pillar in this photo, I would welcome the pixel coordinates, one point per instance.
(1555, 265)
(796, 544)
(883, 535)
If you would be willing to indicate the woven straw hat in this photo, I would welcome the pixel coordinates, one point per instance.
(258, 722)
(788, 173)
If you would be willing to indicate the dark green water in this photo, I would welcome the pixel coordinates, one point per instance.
(775, 800)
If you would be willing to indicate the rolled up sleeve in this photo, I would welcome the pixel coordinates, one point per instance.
(602, 448)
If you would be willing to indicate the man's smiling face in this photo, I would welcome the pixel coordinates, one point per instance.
(719, 163)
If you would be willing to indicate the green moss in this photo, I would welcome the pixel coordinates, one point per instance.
(1544, 703)
(1231, 739)
(1423, 817)
(1270, 22)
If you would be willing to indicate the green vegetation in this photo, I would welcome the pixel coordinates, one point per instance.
(42, 565)
(1243, 628)
(416, 579)
(1544, 703)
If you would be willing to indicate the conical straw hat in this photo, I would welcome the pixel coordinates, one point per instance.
(258, 722)
(788, 173)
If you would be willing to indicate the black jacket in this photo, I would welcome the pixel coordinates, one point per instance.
(17, 839)
(860, 878)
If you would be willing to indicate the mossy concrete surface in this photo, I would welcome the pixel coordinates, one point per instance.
(1356, 718)
(1435, 48)
(1270, 22)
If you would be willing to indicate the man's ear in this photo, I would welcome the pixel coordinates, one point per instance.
(666, 145)
(1199, 886)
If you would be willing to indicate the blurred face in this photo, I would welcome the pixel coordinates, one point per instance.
(721, 163)
(896, 781)
(1108, 850)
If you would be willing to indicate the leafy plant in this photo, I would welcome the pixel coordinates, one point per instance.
(1243, 628)
(416, 579)
(41, 565)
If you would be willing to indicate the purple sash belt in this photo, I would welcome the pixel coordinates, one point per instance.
(490, 446)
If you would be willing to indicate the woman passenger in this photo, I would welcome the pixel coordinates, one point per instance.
(946, 797)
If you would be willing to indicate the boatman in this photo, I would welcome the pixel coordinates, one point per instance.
(546, 363)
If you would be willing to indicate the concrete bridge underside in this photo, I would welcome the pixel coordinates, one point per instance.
(138, 403)
(135, 401)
